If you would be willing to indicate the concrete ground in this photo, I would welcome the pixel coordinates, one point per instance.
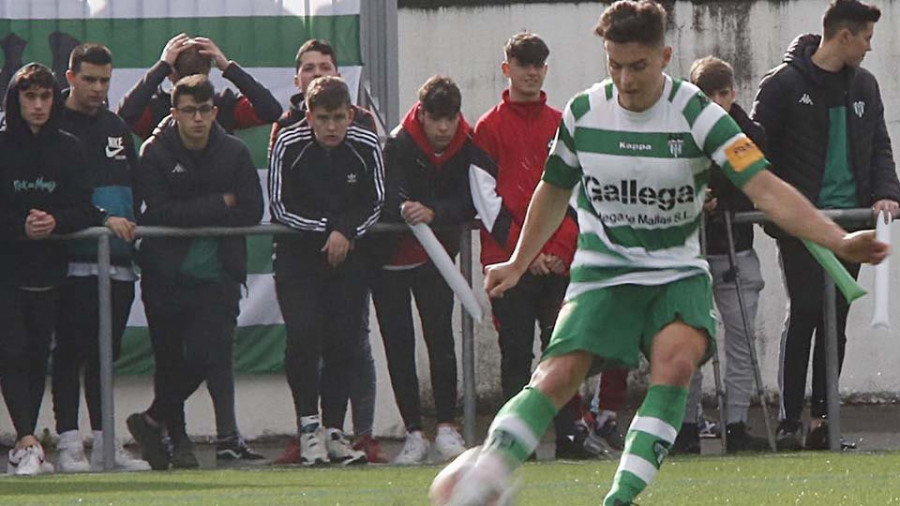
(873, 428)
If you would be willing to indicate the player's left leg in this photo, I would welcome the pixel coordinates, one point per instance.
(674, 356)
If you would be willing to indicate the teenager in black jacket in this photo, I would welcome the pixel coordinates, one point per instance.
(436, 175)
(192, 174)
(326, 181)
(42, 192)
(111, 164)
(824, 121)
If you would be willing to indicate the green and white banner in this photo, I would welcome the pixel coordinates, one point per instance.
(261, 35)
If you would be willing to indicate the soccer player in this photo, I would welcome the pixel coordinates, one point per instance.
(824, 119)
(636, 150)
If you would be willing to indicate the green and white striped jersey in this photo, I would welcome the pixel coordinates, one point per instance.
(639, 181)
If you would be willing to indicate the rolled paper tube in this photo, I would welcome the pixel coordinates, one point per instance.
(448, 270)
(842, 279)
(880, 318)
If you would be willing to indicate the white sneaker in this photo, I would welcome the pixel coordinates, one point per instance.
(28, 462)
(312, 450)
(124, 461)
(340, 451)
(70, 453)
(415, 450)
(449, 443)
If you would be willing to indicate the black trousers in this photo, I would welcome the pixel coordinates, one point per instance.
(77, 346)
(533, 299)
(27, 319)
(322, 310)
(192, 332)
(391, 293)
(805, 279)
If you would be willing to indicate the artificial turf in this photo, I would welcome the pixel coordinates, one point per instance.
(795, 479)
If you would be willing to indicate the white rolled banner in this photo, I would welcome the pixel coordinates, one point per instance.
(448, 270)
(880, 318)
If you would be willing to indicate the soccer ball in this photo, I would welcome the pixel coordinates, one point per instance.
(445, 482)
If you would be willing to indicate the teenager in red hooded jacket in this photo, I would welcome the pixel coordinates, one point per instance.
(439, 177)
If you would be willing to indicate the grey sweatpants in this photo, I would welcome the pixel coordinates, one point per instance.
(738, 366)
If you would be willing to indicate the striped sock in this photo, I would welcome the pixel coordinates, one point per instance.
(647, 443)
(519, 426)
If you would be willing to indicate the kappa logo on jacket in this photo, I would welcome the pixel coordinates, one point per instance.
(179, 169)
(805, 99)
(859, 108)
(115, 148)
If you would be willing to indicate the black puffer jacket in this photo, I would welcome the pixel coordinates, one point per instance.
(177, 192)
(790, 105)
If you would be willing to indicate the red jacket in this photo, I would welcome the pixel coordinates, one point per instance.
(517, 135)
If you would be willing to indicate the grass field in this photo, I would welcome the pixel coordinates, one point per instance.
(795, 479)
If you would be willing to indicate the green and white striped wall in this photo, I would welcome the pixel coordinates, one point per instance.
(261, 35)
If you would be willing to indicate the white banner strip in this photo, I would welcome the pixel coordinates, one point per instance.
(128, 9)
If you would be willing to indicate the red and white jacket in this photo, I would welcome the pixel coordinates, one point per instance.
(517, 136)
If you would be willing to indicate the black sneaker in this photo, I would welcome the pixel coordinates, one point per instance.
(235, 448)
(610, 433)
(739, 440)
(571, 446)
(789, 436)
(688, 440)
(183, 454)
(150, 438)
(817, 439)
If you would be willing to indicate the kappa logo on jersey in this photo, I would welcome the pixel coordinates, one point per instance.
(676, 144)
(805, 100)
(628, 193)
(742, 153)
(115, 148)
(635, 146)
(859, 108)
(179, 169)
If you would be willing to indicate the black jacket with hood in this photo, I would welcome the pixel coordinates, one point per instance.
(42, 171)
(791, 107)
(177, 192)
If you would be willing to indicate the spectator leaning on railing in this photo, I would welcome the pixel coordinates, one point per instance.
(326, 181)
(824, 121)
(192, 174)
(43, 191)
(112, 162)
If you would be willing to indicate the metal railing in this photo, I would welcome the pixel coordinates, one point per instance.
(102, 235)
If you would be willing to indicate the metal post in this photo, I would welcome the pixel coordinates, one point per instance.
(468, 344)
(105, 350)
(748, 331)
(832, 395)
(721, 394)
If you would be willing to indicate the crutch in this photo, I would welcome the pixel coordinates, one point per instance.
(717, 372)
(732, 260)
